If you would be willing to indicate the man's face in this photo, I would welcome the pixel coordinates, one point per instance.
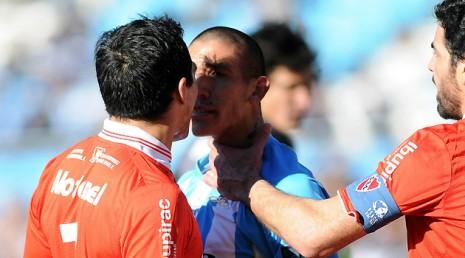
(190, 98)
(223, 94)
(445, 77)
(288, 99)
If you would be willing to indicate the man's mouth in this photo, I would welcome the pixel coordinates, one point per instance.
(202, 110)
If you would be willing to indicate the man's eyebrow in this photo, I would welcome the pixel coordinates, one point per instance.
(216, 65)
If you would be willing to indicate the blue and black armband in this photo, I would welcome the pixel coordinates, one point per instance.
(372, 201)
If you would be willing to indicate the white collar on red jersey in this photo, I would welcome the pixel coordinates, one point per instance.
(137, 138)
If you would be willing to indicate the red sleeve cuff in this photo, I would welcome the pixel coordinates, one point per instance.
(348, 204)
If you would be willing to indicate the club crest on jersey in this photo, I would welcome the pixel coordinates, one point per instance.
(368, 184)
(99, 156)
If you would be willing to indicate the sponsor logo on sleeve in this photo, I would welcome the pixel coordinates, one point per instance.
(394, 160)
(99, 156)
(76, 154)
(368, 184)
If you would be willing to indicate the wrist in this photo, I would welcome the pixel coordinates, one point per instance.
(253, 187)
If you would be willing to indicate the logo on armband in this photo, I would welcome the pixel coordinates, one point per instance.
(368, 184)
(381, 208)
(377, 211)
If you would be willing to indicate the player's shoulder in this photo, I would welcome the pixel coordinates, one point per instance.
(280, 161)
(282, 169)
(444, 130)
(155, 190)
(77, 148)
(75, 151)
(446, 133)
(276, 152)
(153, 197)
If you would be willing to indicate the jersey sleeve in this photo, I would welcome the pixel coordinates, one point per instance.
(302, 185)
(409, 181)
(36, 244)
(156, 224)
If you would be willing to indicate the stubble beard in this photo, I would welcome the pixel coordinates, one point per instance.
(449, 106)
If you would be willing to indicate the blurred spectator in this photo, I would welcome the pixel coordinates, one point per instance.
(291, 69)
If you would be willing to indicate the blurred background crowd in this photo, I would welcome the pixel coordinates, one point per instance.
(374, 88)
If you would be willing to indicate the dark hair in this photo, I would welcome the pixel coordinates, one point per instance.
(283, 47)
(139, 65)
(451, 16)
(253, 63)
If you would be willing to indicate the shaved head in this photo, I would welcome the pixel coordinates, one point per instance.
(252, 61)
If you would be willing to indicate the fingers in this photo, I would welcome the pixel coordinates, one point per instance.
(239, 168)
(213, 148)
(234, 189)
(210, 144)
(213, 156)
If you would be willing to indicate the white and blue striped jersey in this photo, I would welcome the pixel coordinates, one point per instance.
(228, 228)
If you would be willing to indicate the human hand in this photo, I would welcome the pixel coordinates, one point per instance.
(239, 168)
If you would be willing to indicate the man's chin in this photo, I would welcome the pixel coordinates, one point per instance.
(448, 114)
(200, 133)
(199, 130)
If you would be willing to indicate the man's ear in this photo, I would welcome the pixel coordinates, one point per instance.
(262, 85)
(181, 93)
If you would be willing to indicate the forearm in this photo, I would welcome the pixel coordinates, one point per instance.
(313, 228)
(267, 203)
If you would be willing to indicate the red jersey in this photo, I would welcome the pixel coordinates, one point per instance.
(426, 177)
(111, 195)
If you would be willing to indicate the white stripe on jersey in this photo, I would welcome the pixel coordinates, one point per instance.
(220, 240)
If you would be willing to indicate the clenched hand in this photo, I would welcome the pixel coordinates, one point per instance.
(239, 168)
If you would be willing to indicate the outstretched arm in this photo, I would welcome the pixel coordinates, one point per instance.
(313, 228)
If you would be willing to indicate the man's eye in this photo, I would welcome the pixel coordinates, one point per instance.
(211, 73)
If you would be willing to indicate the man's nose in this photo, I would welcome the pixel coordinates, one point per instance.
(204, 86)
(431, 64)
